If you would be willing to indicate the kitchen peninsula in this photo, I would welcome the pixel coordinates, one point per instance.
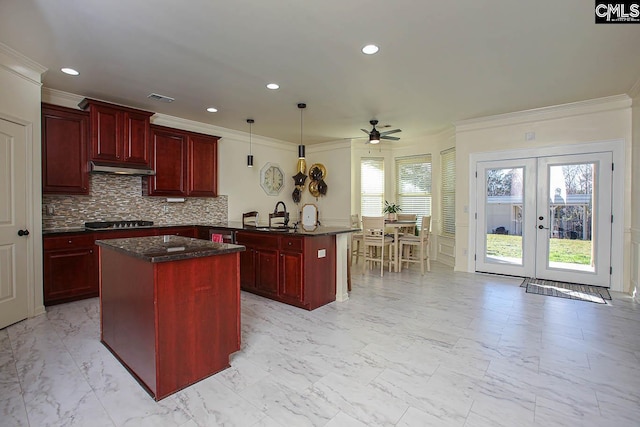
(170, 308)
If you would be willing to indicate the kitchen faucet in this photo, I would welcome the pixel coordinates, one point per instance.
(280, 214)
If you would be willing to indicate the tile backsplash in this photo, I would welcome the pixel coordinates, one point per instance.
(117, 197)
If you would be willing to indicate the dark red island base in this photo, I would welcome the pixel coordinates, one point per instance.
(170, 308)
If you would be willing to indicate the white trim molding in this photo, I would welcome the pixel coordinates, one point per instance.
(610, 103)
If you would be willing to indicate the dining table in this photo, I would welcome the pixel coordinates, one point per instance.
(396, 225)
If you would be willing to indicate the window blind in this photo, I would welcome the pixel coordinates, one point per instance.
(413, 185)
(448, 193)
(372, 186)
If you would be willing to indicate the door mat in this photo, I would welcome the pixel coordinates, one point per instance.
(573, 291)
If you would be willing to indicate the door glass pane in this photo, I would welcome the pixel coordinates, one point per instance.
(571, 217)
(504, 214)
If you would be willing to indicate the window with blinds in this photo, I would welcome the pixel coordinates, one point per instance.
(372, 186)
(413, 185)
(448, 191)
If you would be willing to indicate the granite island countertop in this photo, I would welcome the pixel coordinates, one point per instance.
(168, 248)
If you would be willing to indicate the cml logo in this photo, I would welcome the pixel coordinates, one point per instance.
(626, 12)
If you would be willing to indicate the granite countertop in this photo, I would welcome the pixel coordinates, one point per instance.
(168, 248)
(264, 228)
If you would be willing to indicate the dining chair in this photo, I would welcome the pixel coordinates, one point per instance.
(250, 216)
(356, 238)
(409, 230)
(375, 241)
(419, 245)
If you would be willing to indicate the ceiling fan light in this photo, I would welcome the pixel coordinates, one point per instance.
(374, 137)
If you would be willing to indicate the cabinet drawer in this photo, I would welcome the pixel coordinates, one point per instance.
(263, 240)
(64, 242)
(291, 243)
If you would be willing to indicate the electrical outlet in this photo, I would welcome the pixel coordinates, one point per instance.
(50, 210)
(165, 209)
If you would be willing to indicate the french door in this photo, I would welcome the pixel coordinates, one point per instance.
(546, 217)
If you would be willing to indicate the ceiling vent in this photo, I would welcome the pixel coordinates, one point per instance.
(161, 98)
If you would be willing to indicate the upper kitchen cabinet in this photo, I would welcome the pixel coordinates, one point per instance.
(186, 163)
(65, 133)
(169, 160)
(119, 135)
(202, 165)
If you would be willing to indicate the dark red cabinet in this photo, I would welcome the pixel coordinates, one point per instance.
(202, 166)
(186, 163)
(65, 135)
(70, 268)
(71, 263)
(297, 270)
(168, 159)
(119, 135)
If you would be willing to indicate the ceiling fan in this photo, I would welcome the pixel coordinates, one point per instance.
(375, 136)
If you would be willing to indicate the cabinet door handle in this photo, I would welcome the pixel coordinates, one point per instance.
(70, 241)
(90, 251)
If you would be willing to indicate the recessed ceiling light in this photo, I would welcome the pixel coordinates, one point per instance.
(212, 110)
(273, 86)
(70, 71)
(370, 49)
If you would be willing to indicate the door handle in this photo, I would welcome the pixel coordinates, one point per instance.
(542, 227)
(23, 233)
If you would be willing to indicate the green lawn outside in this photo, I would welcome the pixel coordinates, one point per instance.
(561, 250)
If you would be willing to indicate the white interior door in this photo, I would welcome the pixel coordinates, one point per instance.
(13, 217)
(546, 217)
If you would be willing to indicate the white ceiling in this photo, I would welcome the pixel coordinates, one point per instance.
(439, 62)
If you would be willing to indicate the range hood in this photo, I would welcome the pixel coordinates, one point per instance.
(97, 167)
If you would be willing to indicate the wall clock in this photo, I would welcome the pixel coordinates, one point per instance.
(271, 179)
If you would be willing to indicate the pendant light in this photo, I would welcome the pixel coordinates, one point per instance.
(301, 147)
(250, 156)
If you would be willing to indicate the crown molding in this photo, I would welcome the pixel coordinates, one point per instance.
(58, 97)
(609, 103)
(16, 63)
(224, 133)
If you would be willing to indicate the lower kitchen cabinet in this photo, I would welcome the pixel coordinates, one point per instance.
(71, 260)
(70, 268)
(297, 270)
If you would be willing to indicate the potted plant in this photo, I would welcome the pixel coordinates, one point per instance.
(391, 209)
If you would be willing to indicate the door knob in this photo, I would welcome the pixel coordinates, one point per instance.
(540, 218)
(23, 233)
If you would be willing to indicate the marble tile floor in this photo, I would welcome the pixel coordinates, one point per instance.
(443, 349)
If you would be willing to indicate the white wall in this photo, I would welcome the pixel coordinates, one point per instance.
(334, 208)
(606, 119)
(20, 102)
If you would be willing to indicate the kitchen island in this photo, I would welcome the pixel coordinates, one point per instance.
(170, 308)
